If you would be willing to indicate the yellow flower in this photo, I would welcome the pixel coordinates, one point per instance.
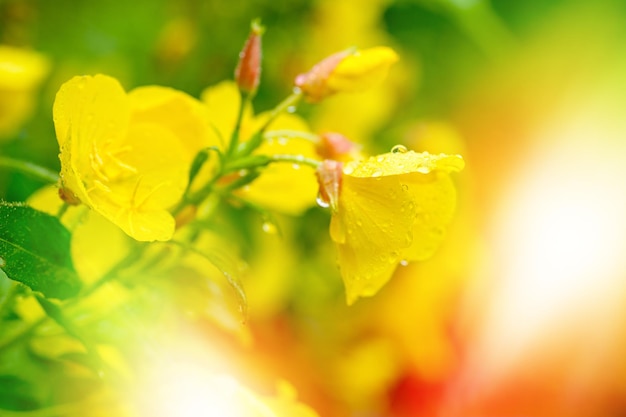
(388, 209)
(285, 188)
(21, 72)
(127, 156)
(346, 72)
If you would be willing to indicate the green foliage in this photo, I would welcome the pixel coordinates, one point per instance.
(35, 250)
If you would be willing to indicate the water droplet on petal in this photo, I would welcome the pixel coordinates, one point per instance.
(269, 227)
(380, 158)
(321, 202)
(282, 141)
(404, 262)
(242, 172)
(423, 170)
(291, 109)
(296, 90)
(399, 149)
(296, 166)
(377, 174)
(405, 187)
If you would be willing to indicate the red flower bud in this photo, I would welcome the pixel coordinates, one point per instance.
(335, 146)
(248, 71)
(329, 177)
(314, 83)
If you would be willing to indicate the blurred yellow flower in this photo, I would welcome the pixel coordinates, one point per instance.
(346, 71)
(285, 188)
(127, 156)
(389, 209)
(21, 72)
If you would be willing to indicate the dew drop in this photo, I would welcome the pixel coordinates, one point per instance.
(423, 170)
(380, 158)
(242, 172)
(321, 202)
(404, 262)
(269, 227)
(291, 109)
(405, 187)
(377, 174)
(296, 90)
(296, 166)
(282, 141)
(399, 149)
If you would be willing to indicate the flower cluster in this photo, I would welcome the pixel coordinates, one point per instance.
(127, 156)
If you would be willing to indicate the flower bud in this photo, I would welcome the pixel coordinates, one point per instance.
(248, 71)
(313, 83)
(346, 71)
(335, 146)
(329, 176)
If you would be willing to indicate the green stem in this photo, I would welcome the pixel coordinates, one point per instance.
(34, 171)
(292, 134)
(234, 139)
(296, 159)
(62, 210)
(290, 102)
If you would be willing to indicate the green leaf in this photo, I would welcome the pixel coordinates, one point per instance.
(35, 250)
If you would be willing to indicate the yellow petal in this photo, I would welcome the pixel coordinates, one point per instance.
(435, 198)
(182, 114)
(138, 203)
(371, 228)
(89, 112)
(21, 69)
(21, 72)
(222, 101)
(392, 207)
(404, 162)
(284, 187)
(362, 70)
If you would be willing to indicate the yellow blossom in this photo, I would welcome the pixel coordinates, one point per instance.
(21, 72)
(388, 209)
(285, 188)
(127, 156)
(346, 72)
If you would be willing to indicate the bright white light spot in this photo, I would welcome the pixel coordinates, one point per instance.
(192, 382)
(559, 262)
(185, 391)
